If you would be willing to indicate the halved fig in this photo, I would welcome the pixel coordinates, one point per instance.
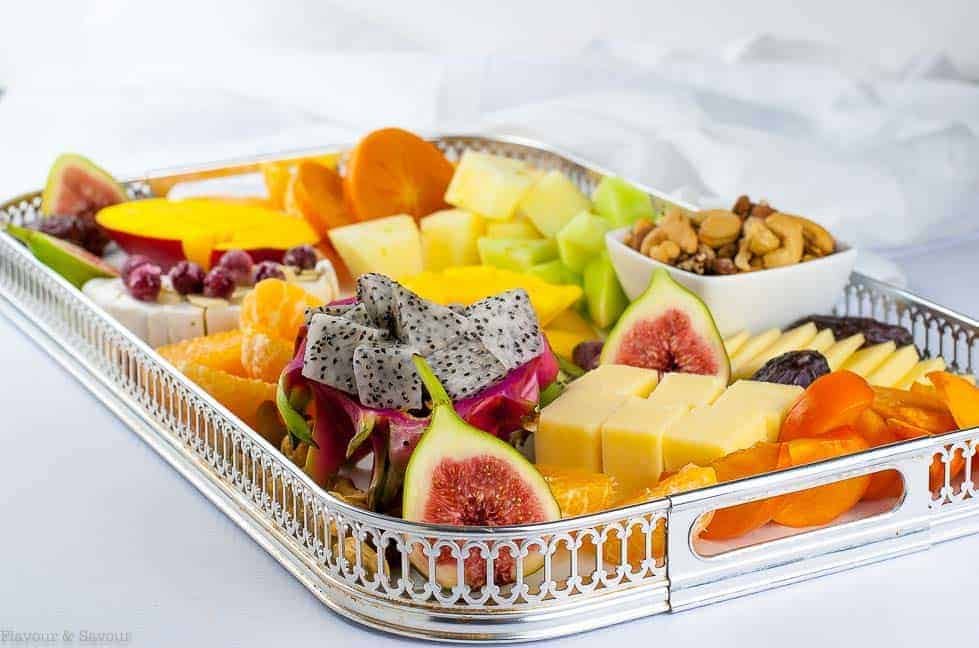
(459, 475)
(668, 329)
(77, 187)
(72, 262)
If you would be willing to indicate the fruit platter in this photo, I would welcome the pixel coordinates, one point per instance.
(474, 389)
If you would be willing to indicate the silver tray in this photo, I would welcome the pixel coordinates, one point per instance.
(326, 543)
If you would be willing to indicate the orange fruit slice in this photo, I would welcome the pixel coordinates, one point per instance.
(392, 171)
(221, 351)
(734, 521)
(276, 308)
(578, 492)
(687, 478)
(264, 356)
(315, 193)
(822, 504)
(243, 396)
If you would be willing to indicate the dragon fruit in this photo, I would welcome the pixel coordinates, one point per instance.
(353, 362)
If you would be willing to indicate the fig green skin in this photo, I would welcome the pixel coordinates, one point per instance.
(449, 437)
(56, 197)
(75, 264)
(664, 292)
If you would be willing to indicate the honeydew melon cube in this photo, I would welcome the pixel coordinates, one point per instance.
(555, 272)
(552, 202)
(489, 185)
(515, 254)
(449, 238)
(620, 203)
(512, 230)
(581, 240)
(390, 245)
(606, 299)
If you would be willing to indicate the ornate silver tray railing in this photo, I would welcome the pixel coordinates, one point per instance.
(360, 563)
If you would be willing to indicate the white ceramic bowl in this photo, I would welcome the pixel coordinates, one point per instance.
(752, 301)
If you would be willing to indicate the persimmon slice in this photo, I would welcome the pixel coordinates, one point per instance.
(392, 171)
(737, 520)
(834, 400)
(822, 504)
(315, 193)
(961, 397)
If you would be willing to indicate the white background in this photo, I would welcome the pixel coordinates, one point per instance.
(862, 114)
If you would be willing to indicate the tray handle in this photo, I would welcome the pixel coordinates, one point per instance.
(697, 579)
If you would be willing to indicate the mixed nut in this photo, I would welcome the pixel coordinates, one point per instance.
(752, 236)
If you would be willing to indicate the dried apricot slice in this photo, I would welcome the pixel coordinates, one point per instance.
(221, 351)
(264, 356)
(687, 478)
(873, 428)
(961, 397)
(831, 401)
(578, 492)
(737, 520)
(392, 171)
(822, 504)
(315, 193)
(243, 396)
(277, 308)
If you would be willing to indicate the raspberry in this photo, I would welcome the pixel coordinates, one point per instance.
(239, 264)
(219, 283)
(269, 270)
(187, 278)
(143, 282)
(301, 256)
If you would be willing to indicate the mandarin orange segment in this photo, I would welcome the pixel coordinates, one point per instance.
(315, 193)
(392, 171)
(831, 401)
(242, 396)
(264, 356)
(822, 504)
(578, 492)
(687, 478)
(960, 396)
(276, 308)
(735, 521)
(221, 351)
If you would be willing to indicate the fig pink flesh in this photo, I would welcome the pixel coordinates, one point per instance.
(484, 491)
(667, 342)
(83, 195)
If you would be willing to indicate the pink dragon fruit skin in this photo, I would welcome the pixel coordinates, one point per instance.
(342, 424)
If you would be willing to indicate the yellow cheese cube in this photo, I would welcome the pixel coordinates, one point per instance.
(632, 442)
(892, 370)
(687, 390)
(569, 432)
(791, 340)
(708, 433)
(490, 185)
(919, 372)
(864, 361)
(752, 348)
(772, 398)
(735, 342)
(616, 380)
(822, 342)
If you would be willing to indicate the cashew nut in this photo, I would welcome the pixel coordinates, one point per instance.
(742, 260)
(761, 239)
(789, 232)
(640, 229)
(819, 242)
(719, 228)
(676, 225)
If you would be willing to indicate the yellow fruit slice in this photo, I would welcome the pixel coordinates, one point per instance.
(920, 371)
(752, 348)
(822, 342)
(571, 321)
(865, 361)
(734, 343)
(468, 284)
(895, 367)
(841, 351)
(564, 342)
